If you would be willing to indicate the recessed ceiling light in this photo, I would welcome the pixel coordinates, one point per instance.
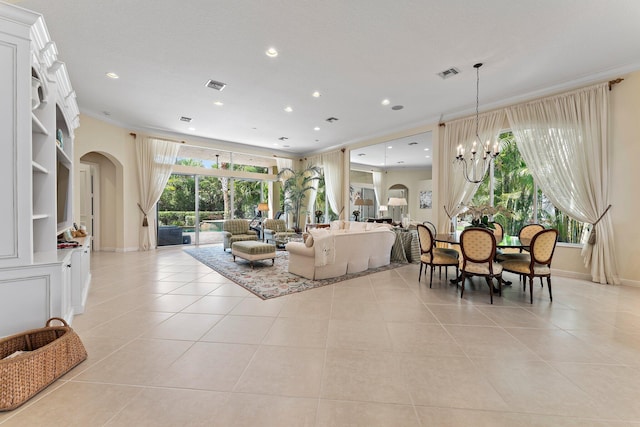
(288, 109)
(192, 128)
(385, 102)
(316, 94)
(272, 52)
(218, 103)
(391, 146)
(426, 149)
(427, 157)
(112, 75)
(316, 128)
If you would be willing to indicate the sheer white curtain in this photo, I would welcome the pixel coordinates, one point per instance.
(156, 158)
(462, 132)
(564, 141)
(378, 189)
(310, 196)
(333, 165)
(281, 164)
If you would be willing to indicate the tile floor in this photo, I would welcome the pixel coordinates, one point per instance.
(172, 343)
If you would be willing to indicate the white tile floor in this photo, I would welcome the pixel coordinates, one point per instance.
(172, 343)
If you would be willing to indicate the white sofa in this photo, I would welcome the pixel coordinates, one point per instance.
(334, 252)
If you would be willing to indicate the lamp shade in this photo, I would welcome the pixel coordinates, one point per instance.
(397, 201)
(383, 208)
(262, 207)
(360, 202)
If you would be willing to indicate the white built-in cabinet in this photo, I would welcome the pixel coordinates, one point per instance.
(38, 115)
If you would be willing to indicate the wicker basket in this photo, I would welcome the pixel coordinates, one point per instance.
(49, 353)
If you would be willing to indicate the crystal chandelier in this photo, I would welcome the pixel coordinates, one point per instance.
(475, 166)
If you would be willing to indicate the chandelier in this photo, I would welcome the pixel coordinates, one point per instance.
(476, 165)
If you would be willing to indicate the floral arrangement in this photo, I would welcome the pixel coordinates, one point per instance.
(318, 214)
(480, 214)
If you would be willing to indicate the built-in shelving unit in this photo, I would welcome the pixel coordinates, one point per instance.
(37, 280)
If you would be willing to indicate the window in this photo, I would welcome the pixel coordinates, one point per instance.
(514, 189)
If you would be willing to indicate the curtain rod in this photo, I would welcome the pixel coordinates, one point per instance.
(614, 82)
(134, 135)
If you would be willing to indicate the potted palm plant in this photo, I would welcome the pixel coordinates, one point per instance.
(296, 185)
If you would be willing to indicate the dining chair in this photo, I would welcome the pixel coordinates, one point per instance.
(478, 247)
(527, 232)
(434, 257)
(538, 264)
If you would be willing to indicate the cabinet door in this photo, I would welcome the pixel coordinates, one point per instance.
(24, 300)
(15, 146)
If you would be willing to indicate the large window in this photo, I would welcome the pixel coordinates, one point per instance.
(514, 189)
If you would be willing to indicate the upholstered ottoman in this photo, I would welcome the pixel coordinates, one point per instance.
(253, 250)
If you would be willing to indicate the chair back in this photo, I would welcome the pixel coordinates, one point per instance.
(478, 245)
(432, 227)
(543, 244)
(527, 232)
(498, 231)
(425, 238)
(277, 225)
(236, 226)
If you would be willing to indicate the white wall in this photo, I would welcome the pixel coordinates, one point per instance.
(118, 184)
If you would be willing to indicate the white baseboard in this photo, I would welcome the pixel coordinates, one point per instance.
(571, 274)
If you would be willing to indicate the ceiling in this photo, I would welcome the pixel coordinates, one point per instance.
(355, 53)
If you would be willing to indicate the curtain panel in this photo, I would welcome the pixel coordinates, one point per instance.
(563, 140)
(333, 164)
(378, 190)
(155, 158)
(462, 132)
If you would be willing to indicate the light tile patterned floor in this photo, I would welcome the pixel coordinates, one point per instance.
(172, 343)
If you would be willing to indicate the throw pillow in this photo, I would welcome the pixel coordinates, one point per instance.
(309, 241)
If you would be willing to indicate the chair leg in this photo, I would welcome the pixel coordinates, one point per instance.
(531, 288)
(549, 286)
(541, 281)
(420, 274)
(490, 283)
(499, 285)
(462, 280)
(430, 276)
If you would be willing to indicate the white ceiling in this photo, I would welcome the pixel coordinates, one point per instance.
(355, 52)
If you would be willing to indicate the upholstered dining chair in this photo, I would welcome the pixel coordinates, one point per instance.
(478, 247)
(527, 232)
(538, 262)
(432, 256)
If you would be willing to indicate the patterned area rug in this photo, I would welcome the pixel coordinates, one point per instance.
(264, 280)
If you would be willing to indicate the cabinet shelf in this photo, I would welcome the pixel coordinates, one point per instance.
(38, 127)
(62, 155)
(37, 167)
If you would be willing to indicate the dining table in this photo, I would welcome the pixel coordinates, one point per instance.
(511, 242)
(507, 241)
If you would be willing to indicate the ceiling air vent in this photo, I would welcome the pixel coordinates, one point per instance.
(215, 85)
(331, 119)
(185, 119)
(449, 73)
